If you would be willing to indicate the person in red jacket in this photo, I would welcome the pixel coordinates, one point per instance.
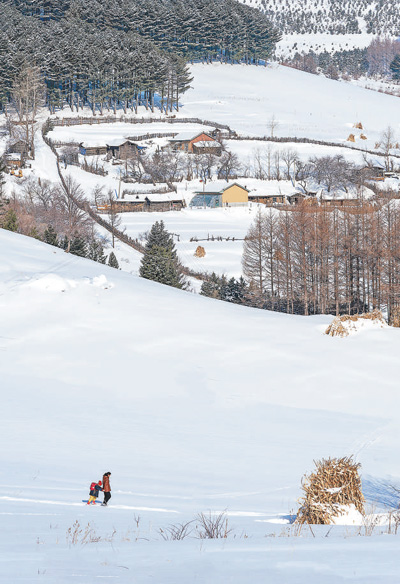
(106, 488)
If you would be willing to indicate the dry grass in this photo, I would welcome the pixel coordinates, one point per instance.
(200, 252)
(335, 484)
(337, 329)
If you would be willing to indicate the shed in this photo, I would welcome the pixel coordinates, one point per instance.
(296, 198)
(92, 149)
(13, 160)
(268, 199)
(148, 202)
(123, 148)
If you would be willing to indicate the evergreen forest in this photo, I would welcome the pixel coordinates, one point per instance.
(124, 52)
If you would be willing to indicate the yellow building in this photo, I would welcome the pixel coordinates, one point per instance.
(221, 194)
(234, 194)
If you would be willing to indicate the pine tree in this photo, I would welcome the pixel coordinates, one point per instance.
(10, 221)
(78, 246)
(35, 233)
(95, 251)
(395, 67)
(50, 236)
(112, 261)
(211, 287)
(160, 261)
(235, 291)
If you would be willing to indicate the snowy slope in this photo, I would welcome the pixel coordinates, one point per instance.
(348, 16)
(192, 404)
(304, 105)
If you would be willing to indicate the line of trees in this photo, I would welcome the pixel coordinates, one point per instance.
(313, 260)
(119, 54)
(46, 212)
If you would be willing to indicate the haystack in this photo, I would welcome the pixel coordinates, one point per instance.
(363, 137)
(200, 252)
(330, 491)
(359, 126)
(343, 324)
(351, 138)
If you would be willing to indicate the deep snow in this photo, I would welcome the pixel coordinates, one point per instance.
(194, 405)
(191, 403)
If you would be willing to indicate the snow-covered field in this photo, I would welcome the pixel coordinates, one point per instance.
(290, 44)
(222, 257)
(193, 405)
(304, 105)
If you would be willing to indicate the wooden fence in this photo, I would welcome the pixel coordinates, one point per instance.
(92, 120)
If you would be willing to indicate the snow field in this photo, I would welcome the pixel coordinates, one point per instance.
(194, 405)
(305, 105)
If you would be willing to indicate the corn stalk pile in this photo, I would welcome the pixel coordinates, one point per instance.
(341, 325)
(333, 486)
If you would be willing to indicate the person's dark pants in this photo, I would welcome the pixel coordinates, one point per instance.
(107, 497)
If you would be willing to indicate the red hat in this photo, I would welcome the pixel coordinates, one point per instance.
(99, 482)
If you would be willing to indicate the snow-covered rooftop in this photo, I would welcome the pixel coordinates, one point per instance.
(187, 136)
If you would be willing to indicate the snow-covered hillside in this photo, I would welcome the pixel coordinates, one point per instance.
(349, 16)
(193, 405)
(301, 104)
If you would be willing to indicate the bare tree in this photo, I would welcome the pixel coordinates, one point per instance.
(380, 55)
(228, 165)
(98, 197)
(136, 166)
(334, 173)
(388, 143)
(255, 252)
(113, 218)
(289, 158)
(27, 96)
(272, 124)
(70, 198)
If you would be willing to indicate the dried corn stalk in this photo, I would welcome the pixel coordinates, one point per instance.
(337, 329)
(335, 484)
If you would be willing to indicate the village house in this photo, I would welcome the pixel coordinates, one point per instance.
(13, 160)
(268, 199)
(296, 198)
(196, 143)
(92, 149)
(16, 154)
(146, 202)
(19, 147)
(124, 148)
(221, 194)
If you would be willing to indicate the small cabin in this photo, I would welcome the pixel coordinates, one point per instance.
(13, 160)
(19, 147)
(196, 144)
(268, 200)
(124, 149)
(296, 198)
(92, 149)
(146, 202)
